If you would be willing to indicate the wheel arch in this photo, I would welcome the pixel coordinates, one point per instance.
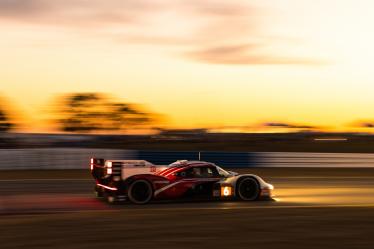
(259, 180)
(147, 177)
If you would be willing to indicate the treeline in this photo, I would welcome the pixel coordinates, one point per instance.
(5, 123)
(89, 112)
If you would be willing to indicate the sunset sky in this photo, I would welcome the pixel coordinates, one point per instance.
(233, 63)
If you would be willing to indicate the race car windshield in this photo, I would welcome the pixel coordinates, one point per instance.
(223, 172)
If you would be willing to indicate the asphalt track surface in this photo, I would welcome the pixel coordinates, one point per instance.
(313, 208)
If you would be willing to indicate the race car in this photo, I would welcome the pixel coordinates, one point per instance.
(141, 182)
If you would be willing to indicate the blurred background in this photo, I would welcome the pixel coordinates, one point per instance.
(283, 89)
(237, 76)
(98, 120)
(164, 73)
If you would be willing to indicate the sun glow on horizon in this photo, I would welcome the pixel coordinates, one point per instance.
(223, 65)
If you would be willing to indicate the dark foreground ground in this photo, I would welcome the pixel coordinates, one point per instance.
(255, 228)
(314, 208)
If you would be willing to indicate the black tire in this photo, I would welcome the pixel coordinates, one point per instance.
(140, 192)
(247, 189)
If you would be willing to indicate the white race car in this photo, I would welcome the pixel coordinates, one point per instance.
(141, 182)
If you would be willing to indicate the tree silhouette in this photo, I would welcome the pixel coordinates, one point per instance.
(86, 112)
(5, 124)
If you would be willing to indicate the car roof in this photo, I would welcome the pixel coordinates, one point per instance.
(186, 163)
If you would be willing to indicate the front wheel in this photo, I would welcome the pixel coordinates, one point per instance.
(140, 192)
(247, 189)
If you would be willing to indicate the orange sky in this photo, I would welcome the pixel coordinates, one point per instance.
(202, 63)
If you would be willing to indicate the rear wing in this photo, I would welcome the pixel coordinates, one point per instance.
(102, 163)
(101, 168)
(97, 167)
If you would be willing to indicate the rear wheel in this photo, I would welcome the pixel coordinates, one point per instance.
(140, 192)
(247, 189)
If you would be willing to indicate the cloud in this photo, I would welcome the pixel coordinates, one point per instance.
(18, 8)
(215, 32)
(219, 8)
(74, 13)
(245, 54)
